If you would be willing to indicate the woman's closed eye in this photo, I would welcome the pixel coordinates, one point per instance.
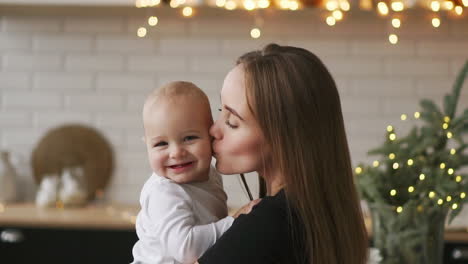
(230, 125)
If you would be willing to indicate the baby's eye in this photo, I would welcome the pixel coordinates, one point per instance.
(160, 144)
(189, 138)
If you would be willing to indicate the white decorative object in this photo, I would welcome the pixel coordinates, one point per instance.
(8, 191)
(47, 193)
(374, 256)
(72, 191)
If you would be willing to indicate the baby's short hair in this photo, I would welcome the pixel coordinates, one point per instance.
(176, 89)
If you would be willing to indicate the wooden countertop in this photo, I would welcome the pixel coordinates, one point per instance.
(92, 216)
(115, 216)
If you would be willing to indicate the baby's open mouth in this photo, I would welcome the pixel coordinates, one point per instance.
(181, 165)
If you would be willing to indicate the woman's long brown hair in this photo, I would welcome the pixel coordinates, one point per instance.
(296, 103)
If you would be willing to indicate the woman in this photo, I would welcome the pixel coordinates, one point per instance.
(281, 116)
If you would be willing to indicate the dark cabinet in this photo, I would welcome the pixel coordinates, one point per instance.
(65, 246)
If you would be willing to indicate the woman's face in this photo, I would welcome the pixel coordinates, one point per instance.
(238, 144)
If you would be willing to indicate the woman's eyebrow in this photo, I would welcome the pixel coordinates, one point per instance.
(233, 112)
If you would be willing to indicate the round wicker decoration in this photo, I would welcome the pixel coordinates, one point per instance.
(75, 145)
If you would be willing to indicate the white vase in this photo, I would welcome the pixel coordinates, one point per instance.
(8, 191)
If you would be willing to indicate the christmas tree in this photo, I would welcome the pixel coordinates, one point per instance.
(422, 169)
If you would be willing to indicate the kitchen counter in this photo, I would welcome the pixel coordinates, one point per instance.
(115, 216)
(92, 216)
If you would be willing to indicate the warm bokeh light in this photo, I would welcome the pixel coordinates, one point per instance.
(255, 33)
(152, 21)
(396, 23)
(187, 11)
(141, 32)
(436, 22)
(383, 8)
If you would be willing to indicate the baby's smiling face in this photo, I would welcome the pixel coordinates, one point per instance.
(177, 139)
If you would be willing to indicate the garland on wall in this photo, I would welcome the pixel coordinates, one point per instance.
(392, 10)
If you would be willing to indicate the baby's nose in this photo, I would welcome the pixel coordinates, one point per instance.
(177, 152)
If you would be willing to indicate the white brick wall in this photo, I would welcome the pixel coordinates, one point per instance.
(92, 69)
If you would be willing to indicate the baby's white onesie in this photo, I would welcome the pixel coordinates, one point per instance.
(177, 223)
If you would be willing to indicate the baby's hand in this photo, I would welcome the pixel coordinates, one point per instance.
(246, 208)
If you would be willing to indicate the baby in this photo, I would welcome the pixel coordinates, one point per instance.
(183, 204)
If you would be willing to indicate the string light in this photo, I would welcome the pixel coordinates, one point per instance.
(446, 119)
(398, 6)
(391, 156)
(174, 4)
(220, 3)
(445, 126)
(462, 195)
(435, 6)
(331, 21)
(187, 11)
(293, 5)
(442, 166)
(411, 189)
(152, 21)
(392, 136)
(358, 170)
(458, 178)
(436, 22)
(249, 5)
(417, 115)
(431, 194)
(440, 202)
(255, 33)
(453, 151)
(403, 117)
(420, 208)
(393, 39)
(396, 23)
(393, 192)
(154, 2)
(454, 206)
(449, 135)
(141, 32)
(410, 162)
(383, 8)
(459, 10)
(450, 171)
(344, 5)
(422, 177)
(449, 198)
(231, 5)
(396, 165)
(331, 5)
(465, 2)
(338, 15)
(376, 163)
(263, 3)
(399, 209)
(389, 128)
(448, 5)
(284, 4)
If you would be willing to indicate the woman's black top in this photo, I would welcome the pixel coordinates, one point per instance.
(261, 237)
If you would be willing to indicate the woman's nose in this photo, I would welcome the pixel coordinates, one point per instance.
(215, 131)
